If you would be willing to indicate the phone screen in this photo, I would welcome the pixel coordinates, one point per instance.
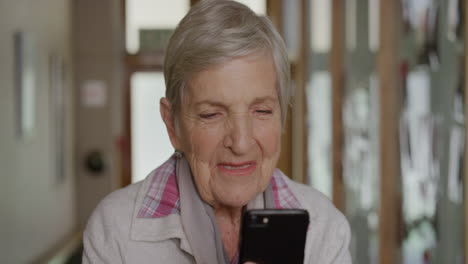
(273, 236)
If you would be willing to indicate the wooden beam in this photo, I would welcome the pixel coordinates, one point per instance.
(337, 76)
(299, 138)
(387, 63)
(145, 61)
(274, 12)
(126, 140)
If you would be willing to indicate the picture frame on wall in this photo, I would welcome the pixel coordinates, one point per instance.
(25, 71)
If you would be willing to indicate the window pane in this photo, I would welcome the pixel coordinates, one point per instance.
(290, 11)
(351, 25)
(374, 22)
(150, 142)
(151, 14)
(320, 25)
(319, 120)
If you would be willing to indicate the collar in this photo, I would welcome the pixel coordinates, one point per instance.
(157, 215)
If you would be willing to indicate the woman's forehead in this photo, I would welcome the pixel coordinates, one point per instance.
(251, 78)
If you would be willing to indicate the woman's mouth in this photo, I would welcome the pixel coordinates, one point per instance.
(238, 169)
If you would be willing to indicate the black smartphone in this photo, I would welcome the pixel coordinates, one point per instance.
(273, 236)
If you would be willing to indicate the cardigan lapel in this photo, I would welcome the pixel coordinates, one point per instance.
(185, 225)
(156, 229)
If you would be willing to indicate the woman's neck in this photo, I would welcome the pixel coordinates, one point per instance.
(228, 220)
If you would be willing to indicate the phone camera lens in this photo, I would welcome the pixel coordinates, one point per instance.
(253, 218)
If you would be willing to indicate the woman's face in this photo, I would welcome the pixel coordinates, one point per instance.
(229, 130)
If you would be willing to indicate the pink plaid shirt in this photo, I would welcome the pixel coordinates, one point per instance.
(162, 198)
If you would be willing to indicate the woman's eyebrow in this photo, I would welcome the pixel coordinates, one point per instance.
(264, 99)
(209, 102)
(258, 100)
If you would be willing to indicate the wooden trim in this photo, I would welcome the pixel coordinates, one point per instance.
(148, 61)
(387, 63)
(123, 14)
(299, 143)
(337, 75)
(274, 12)
(125, 156)
(126, 144)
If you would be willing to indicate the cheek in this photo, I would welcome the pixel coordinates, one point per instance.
(200, 147)
(269, 137)
(202, 141)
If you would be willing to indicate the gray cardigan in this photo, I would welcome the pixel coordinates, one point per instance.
(115, 235)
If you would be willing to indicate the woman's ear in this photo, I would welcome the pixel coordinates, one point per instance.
(168, 117)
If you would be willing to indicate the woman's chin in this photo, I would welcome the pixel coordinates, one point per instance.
(231, 199)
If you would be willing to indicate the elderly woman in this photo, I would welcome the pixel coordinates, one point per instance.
(227, 79)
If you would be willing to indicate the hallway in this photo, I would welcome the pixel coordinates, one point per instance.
(377, 124)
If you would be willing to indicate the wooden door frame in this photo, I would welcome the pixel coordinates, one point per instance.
(389, 101)
(301, 72)
(337, 71)
(142, 62)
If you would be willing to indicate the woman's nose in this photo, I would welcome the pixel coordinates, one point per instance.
(239, 134)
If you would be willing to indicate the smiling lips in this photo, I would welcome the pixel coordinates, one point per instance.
(238, 169)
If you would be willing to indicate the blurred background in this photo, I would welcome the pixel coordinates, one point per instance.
(377, 124)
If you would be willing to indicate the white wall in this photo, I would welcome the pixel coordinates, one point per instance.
(36, 211)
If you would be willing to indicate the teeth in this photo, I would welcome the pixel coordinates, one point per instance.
(236, 167)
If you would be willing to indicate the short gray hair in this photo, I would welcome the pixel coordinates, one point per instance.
(214, 32)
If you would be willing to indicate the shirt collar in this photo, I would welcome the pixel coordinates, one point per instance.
(156, 215)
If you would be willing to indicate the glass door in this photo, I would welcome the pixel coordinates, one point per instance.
(150, 142)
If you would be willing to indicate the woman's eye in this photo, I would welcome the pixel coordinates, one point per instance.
(264, 112)
(208, 116)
